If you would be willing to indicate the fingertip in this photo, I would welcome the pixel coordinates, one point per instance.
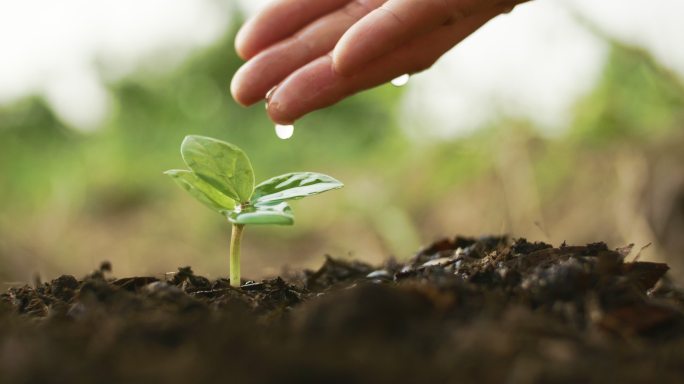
(280, 106)
(240, 45)
(244, 46)
(341, 63)
(239, 90)
(234, 91)
(279, 113)
(308, 89)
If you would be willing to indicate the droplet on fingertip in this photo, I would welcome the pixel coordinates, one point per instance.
(270, 93)
(284, 132)
(401, 80)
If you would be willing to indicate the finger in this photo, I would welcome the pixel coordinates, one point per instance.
(318, 85)
(279, 20)
(394, 23)
(268, 68)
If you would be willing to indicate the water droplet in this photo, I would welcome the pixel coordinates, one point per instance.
(284, 131)
(268, 96)
(270, 93)
(401, 80)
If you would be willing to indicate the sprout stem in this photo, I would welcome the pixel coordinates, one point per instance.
(235, 239)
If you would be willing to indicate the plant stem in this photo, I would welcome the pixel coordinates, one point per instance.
(235, 239)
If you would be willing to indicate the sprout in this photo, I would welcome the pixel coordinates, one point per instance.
(221, 177)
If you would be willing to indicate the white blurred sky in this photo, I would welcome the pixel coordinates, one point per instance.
(57, 48)
(533, 63)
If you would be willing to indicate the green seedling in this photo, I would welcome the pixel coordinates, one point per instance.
(221, 177)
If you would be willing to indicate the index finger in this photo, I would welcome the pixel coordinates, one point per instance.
(279, 20)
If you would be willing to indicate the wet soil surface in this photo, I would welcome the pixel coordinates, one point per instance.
(462, 310)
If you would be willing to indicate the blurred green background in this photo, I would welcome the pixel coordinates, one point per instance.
(70, 200)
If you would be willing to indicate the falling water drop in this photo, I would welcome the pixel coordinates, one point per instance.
(284, 131)
(401, 80)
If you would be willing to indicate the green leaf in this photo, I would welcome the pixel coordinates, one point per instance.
(221, 164)
(201, 190)
(279, 214)
(291, 186)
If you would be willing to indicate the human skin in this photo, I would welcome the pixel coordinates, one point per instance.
(309, 54)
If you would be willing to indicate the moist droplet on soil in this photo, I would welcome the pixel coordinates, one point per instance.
(401, 80)
(284, 131)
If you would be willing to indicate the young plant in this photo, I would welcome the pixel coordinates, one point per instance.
(221, 177)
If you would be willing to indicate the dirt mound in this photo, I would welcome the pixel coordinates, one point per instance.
(462, 310)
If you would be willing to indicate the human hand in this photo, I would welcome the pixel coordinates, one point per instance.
(317, 52)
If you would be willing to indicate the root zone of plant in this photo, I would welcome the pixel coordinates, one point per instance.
(461, 310)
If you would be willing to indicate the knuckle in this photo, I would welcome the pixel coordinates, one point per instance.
(509, 6)
(445, 6)
(303, 42)
(423, 64)
(452, 10)
(459, 9)
(358, 8)
(390, 12)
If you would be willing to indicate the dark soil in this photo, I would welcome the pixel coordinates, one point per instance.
(462, 310)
